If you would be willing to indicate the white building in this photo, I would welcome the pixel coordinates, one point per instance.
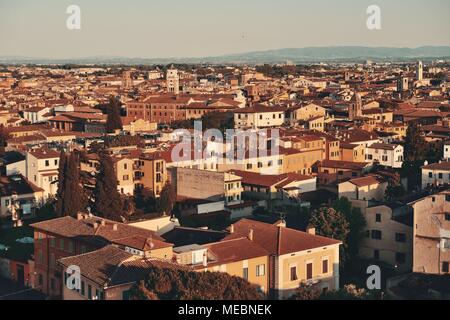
(37, 114)
(447, 150)
(388, 155)
(435, 174)
(42, 170)
(259, 116)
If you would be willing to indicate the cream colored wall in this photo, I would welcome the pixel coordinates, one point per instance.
(163, 253)
(309, 111)
(126, 184)
(301, 162)
(387, 246)
(431, 226)
(236, 269)
(329, 280)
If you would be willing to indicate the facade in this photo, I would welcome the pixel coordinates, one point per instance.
(258, 117)
(364, 188)
(435, 174)
(222, 186)
(66, 237)
(42, 170)
(19, 197)
(295, 257)
(173, 81)
(388, 155)
(151, 173)
(389, 235)
(431, 234)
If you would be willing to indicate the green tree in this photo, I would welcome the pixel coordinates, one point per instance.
(70, 196)
(113, 121)
(180, 284)
(108, 202)
(304, 292)
(167, 199)
(332, 224)
(61, 184)
(415, 146)
(4, 136)
(356, 224)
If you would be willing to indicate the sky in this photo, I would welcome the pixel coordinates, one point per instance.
(200, 28)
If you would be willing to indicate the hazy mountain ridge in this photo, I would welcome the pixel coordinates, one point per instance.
(299, 55)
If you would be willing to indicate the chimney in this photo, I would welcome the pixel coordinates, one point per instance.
(115, 227)
(95, 225)
(232, 229)
(250, 234)
(311, 230)
(103, 223)
(80, 216)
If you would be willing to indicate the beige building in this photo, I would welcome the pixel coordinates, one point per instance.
(190, 183)
(105, 274)
(431, 243)
(388, 235)
(42, 167)
(295, 257)
(364, 188)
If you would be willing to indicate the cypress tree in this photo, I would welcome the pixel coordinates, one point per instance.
(71, 198)
(113, 121)
(75, 200)
(108, 203)
(61, 184)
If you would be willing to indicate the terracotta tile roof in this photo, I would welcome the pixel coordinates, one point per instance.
(90, 229)
(111, 266)
(237, 249)
(445, 165)
(44, 153)
(337, 164)
(143, 243)
(17, 185)
(279, 240)
(366, 181)
(383, 146)
(261, 109)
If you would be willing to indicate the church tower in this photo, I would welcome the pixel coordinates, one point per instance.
(127, 81)
(355, 107)
(173, 80)
(419, 71)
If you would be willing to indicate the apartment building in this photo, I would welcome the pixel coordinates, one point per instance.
(431, 234)
(295, 257)
(364, 188)
(151, 173)
(352, 152)
(124, 168)
(259, 117)
(435, 174)
(42, 166)
(66, 237)
(240, 257)
(388, 155)
(106, 274)
(19, 197)
(222, 186)
(389, 234)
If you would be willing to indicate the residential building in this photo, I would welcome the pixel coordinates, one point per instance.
(431, 234)
(42, 170)
(388, 155)
(435, 174)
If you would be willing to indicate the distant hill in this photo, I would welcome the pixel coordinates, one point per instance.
(314, 54)
(296, 55)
